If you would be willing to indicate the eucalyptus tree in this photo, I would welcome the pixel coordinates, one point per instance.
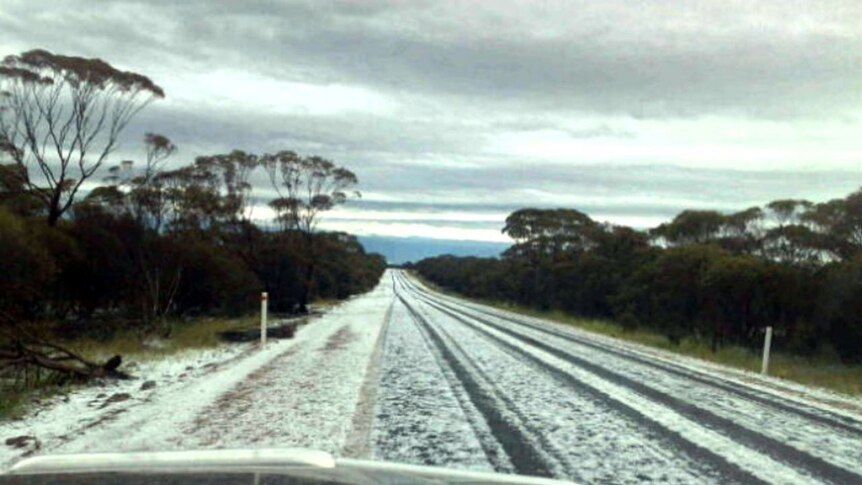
(139, 192)
(61, 118)
(541, 233)
(691, 227)
(838, 222)
(785, 212)
(232, 172)
(306, 188)
(791, 237)
(542, 238)
(147, 192)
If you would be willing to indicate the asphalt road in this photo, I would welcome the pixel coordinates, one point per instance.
(464, 385)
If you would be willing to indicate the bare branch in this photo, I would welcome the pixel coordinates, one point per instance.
(67, 149)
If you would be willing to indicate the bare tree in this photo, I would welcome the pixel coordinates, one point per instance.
(61, 118)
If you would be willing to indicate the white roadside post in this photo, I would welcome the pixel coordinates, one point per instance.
(767, 343)
(263, 303)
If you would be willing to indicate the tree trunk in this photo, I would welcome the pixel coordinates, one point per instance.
(54, 213)
(310, 269)
(306, 286)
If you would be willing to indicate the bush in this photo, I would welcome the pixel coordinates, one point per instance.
(27, 268)
(214, 281)
(105, 271)
(841, 309)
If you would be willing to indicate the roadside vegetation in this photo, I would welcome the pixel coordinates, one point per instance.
(822, 369)
(187, 334)
(705, 284)
(98, 255)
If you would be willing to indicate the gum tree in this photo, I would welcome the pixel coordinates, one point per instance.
(306, 187)
(61, 118)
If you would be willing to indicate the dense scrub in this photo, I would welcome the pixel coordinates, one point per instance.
(718, 278)
(138, 251)
(97, 266)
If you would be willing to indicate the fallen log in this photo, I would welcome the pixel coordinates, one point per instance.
(26, 353)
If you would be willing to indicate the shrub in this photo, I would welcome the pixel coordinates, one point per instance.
(26, 267)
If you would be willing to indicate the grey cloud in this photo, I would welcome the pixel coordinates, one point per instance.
(345, 137)
(652, 192)
(463, 73)
(658, 182)
(596, 64)
(526, 123)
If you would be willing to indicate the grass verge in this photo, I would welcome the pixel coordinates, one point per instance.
(824, 371)
(197, 333)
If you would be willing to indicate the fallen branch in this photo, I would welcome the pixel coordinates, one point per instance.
(27, 352)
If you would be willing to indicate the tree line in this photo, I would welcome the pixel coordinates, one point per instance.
(95, 246)
(706, 275)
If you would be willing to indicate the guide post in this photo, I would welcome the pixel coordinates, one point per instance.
(767, 343)
(263, 304)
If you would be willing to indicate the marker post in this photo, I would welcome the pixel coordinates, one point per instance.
(263, 304)
(767, 344)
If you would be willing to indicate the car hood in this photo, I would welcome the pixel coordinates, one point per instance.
(257, 466)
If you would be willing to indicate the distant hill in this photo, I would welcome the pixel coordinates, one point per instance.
(400, 250)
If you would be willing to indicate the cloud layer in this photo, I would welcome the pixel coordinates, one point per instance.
(467, 110)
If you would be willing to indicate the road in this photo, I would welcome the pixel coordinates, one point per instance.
(466, 385)
(406, 374)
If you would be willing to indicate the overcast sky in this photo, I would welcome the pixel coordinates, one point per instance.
(453, 114)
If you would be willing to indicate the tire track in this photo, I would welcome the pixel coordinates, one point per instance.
(752, 439)
(421, 415)
(731, 473)
(844, 423)
(524, 456)
(795, 429)
(358, 444)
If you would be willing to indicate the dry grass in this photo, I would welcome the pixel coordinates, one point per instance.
(324, 304)
(199, 333)
(14, 402)
(824, 370)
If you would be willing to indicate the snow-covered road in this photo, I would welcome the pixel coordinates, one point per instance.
(466, 385)
(406, 374)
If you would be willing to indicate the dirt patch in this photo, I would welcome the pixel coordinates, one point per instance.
(29, 445)
(104, 419)
(118, 397)
(339, 340)
(21, 441)
(358, 443)
(234, 403)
